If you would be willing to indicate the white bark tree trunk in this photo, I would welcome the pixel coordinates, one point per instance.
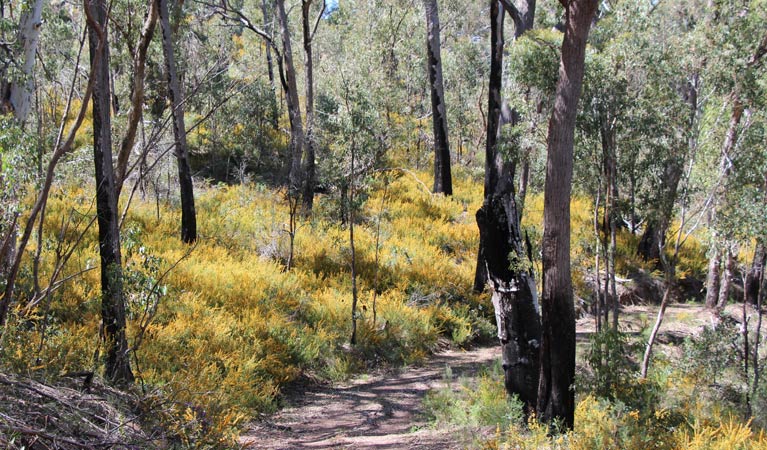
(29, 34)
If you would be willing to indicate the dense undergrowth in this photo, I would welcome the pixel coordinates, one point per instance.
(697, 400)
(219, 327)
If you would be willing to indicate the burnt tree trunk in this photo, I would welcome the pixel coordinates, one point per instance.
(497, 168)
(514, 295)
(443, 182)
(502, 259)
(112, 299)
(188, 214)
(556, 397)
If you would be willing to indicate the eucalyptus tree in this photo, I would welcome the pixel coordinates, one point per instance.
(737, 73)
(118, 368)
(443, 182)
(287, 73)
(139, 54)
(727, 145)
(267, 23)
(18, 90)
(176, 97)
(309, 29)
(672, 125)
(499, 166)
(17, 63)
(502, 260)
(556, 397)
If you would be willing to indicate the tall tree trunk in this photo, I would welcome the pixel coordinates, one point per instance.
(309, 141)
(112, 300)
(29, 34)
(611, 216)
(268, 13)
(556, 397)
(443, 182)
(514, 296)
(502, 258)
(291, 97)
(188, 214)
(713, 286)
(353, 339)
(499, 171)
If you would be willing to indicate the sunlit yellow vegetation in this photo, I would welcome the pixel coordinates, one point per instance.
(673, 422)
(232, 326)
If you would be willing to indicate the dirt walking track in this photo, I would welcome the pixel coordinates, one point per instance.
(381, 411)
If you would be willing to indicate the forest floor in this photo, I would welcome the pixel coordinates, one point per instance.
(385, 409)
(382, 410)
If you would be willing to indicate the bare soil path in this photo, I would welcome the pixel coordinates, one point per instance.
(382, 411)
(385, 410)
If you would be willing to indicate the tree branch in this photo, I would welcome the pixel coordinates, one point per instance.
(514, 13)
(137, 99)
(319, 17)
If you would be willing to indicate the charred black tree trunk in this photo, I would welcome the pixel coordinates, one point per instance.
(112, 300)
(498, 171)
(504, 263)
(443, 182)
(556, 397)
(514, 295)
(188, 213)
